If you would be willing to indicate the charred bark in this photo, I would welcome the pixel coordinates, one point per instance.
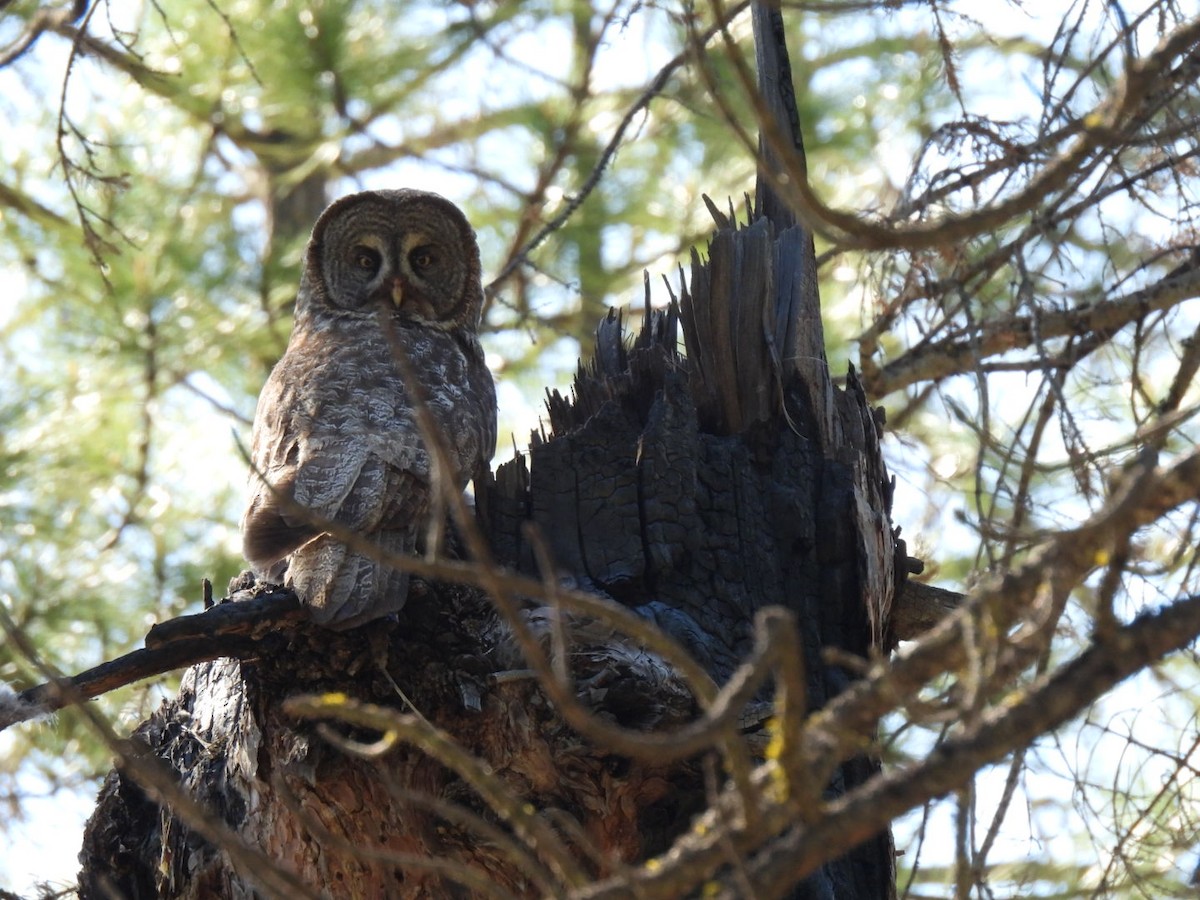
(348, 826)
(676, 485)
(694, 489)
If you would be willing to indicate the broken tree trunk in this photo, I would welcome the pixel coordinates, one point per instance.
(692, 489)
(695, 490)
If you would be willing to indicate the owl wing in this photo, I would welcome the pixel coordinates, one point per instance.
(270, 528)
(299, 478)
(464, 403)
(485, 392)
(316, 462)
(267, 534)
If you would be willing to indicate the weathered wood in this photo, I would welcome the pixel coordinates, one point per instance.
(690, 503)
(777, 94)
(352, 826)
(697, 497)
(694, 489)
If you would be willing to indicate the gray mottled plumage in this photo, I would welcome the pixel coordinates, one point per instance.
(335, 436)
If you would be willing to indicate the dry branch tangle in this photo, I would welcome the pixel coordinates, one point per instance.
(964, 350)
(1105, 128)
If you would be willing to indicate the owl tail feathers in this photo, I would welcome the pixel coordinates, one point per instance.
(344, 589)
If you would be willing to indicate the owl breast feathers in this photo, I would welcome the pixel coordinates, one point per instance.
(336, 440)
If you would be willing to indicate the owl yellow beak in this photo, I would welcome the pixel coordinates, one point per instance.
(397, 292)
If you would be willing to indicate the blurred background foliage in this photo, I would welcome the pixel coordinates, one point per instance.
(162, 165)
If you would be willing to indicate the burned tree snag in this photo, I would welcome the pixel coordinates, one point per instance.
(698, 496)
(671, 483)
(694, 489)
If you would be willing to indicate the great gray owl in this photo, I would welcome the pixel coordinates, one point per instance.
(335, 435)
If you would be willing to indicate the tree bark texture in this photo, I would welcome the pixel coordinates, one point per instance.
(693, 489)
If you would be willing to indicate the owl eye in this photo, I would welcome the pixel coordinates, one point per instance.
(423, 258)
(366, 258)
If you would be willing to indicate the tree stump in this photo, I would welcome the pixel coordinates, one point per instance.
(692, 489)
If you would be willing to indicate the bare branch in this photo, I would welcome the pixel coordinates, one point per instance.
(236, 630)
(964, 351)
(1105, 128)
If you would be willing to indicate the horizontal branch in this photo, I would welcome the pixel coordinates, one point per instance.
(919, 606)
(20, 202)
(964, 351)
(235, 630)
(133, 758)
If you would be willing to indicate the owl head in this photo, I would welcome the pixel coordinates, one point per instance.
(408, 251)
